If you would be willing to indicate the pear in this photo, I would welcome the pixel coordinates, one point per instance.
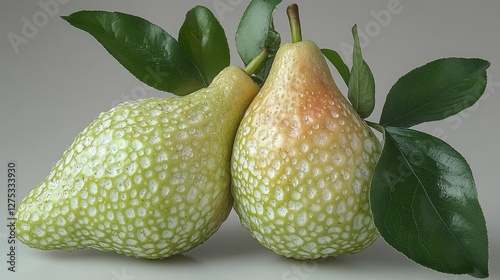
(302, 162)
(150, 178)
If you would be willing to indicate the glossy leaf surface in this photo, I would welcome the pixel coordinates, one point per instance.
(435, 91)
(424, 202)
(143, 48)
(202, 37)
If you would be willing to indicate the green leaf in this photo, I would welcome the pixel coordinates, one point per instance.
(424, 203)
(435, 91)
(202, 37)
(339, 64)
(144, 49)
(255, 32)
(361, 86)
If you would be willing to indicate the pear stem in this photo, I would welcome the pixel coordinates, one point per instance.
(256, 62)
(293, 18)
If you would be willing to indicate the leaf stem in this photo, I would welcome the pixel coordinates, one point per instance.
(377, 126)
(256, 62)
(293, 18)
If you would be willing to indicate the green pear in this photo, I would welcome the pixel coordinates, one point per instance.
(303, 160)
(150, 178)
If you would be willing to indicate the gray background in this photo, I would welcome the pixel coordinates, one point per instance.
(58, 82)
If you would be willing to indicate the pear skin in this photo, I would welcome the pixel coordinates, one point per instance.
(303, 161)
(150, 178)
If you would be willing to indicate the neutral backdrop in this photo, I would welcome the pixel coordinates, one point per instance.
(60, 79)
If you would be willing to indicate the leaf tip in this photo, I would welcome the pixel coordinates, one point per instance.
(480, 271)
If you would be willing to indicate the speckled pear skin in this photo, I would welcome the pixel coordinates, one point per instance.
(150, 178)
(303, 161)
